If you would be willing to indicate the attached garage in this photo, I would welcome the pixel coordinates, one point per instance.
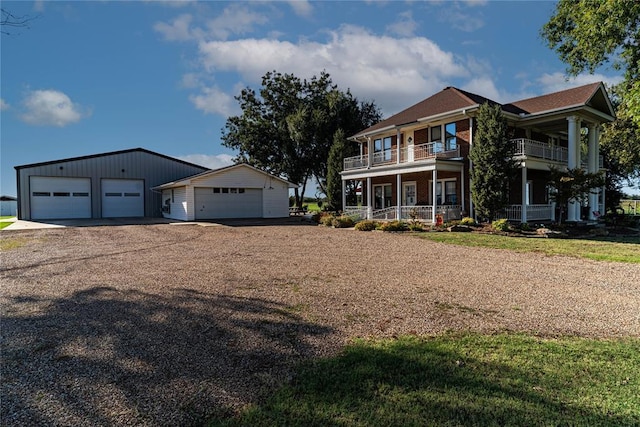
(122, 198)
(57, 197)
(238, 191)
(107, 185)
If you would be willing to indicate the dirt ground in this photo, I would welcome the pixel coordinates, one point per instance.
(165, 325)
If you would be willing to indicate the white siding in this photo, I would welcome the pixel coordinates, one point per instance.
(177, 202)
(276, 201)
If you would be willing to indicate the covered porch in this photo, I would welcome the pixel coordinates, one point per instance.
(429, 193)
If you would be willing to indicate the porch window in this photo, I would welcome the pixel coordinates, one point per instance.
(450, 193)
(382, 195)
(450, 142)
(383, 146)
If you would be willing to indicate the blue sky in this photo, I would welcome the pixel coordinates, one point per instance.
(96, 76)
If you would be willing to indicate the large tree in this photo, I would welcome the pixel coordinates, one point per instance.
(340, 149)
(586, 34)
(493, 165)
(288, 127)
(572, 185)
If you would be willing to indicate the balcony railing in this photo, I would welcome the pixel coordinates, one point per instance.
(541, 150)
(423, 152)
(534, 212)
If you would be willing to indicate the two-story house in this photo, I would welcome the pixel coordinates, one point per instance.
(415, 164)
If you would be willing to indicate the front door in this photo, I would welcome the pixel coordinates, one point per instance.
(409, 194)
(382, 196)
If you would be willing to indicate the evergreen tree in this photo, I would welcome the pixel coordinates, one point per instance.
(340, 149)
(493, 164)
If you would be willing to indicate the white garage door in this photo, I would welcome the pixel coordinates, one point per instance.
(217, 202)
(59, 198)
(122, 198)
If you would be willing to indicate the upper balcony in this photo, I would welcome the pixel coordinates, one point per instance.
(541, 150)
(417, 153)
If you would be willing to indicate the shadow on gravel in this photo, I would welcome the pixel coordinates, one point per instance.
(110, 357)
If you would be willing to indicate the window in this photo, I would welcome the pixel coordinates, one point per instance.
(61, 194)
(225, 191)
(41, 194)
(80, 194)
(113, 194)
(450, 142)
(382, 146)
(436, 138)
(382, 196)
(173, 196)
(240, 190)
(233, 190)
(131, 194)
(450, 194)
(216, 190)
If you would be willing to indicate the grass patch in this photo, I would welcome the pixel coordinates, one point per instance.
(4, 223)
(601, 249)
(11, 243)
(453, 380)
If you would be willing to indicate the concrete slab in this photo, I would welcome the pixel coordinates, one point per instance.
(61, 223)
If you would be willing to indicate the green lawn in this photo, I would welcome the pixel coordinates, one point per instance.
(3, 221)
(461, 380)
(602, 248)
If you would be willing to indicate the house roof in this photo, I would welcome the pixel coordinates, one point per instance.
(131, 150)
(452, 100)
(211, 172)
(448, 100)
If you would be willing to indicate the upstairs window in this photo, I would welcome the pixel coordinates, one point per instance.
(383, 146)
(450, 142)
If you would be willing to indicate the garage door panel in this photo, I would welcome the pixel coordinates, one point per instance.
(122, 198)
(221, 203)
(60, 197)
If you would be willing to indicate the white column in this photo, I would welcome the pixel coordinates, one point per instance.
(369, 152)
(399, 196)
(462, 198)
(344, 194)
(369, 198)
(434, 201)
(398, 139)
(592, 167)
(523, 210)
(573, 160)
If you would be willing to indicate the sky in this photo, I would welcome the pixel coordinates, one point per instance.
(89, 77)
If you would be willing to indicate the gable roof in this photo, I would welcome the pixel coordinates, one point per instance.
(453, 100)
(450, 99)
(111, 153)
(592, 94)
(210, 172)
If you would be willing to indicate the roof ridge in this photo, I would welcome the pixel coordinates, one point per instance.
(595, 84)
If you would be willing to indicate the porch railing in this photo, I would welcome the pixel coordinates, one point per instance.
(386, 213)
(534, 212)
(420, 213)
(423, 213)
(417, 153)
(529, 147)
(355, 212)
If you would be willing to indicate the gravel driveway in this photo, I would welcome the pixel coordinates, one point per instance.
(164, 325)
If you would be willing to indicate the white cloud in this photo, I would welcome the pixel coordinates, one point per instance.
(393, 71)
(460, 20)
(51, 108)
(485, 86)
(558, 81)
(178, 30)
(405, 26)
(235, 19)
(214, 161)
(301, 7)
(3, 105)
(212, 100)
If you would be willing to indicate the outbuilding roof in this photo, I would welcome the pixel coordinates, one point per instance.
(188, 180)
(112, 153)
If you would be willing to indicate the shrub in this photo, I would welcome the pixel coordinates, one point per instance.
(393, 226)
(316, 217)
(524, 226)
(500, 225)
(366, 225)
(342, 221)
(327, 219)
(416, 226)
(468, 221)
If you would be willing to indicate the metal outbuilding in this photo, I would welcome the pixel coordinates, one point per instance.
(107, 185)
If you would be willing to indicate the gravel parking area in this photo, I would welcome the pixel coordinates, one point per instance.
(164, 325)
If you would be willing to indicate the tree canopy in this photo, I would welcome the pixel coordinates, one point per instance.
(572, 185)
(493, 164)
(587, 34)
(288, 127)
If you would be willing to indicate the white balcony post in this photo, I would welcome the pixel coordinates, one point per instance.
(573, 160)
(398, 139)
(462, 189)
(592, 167)
(369, 197)
(399, 196)
(369, 153)
(434, 201)
(344, 195)
(523, 214)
